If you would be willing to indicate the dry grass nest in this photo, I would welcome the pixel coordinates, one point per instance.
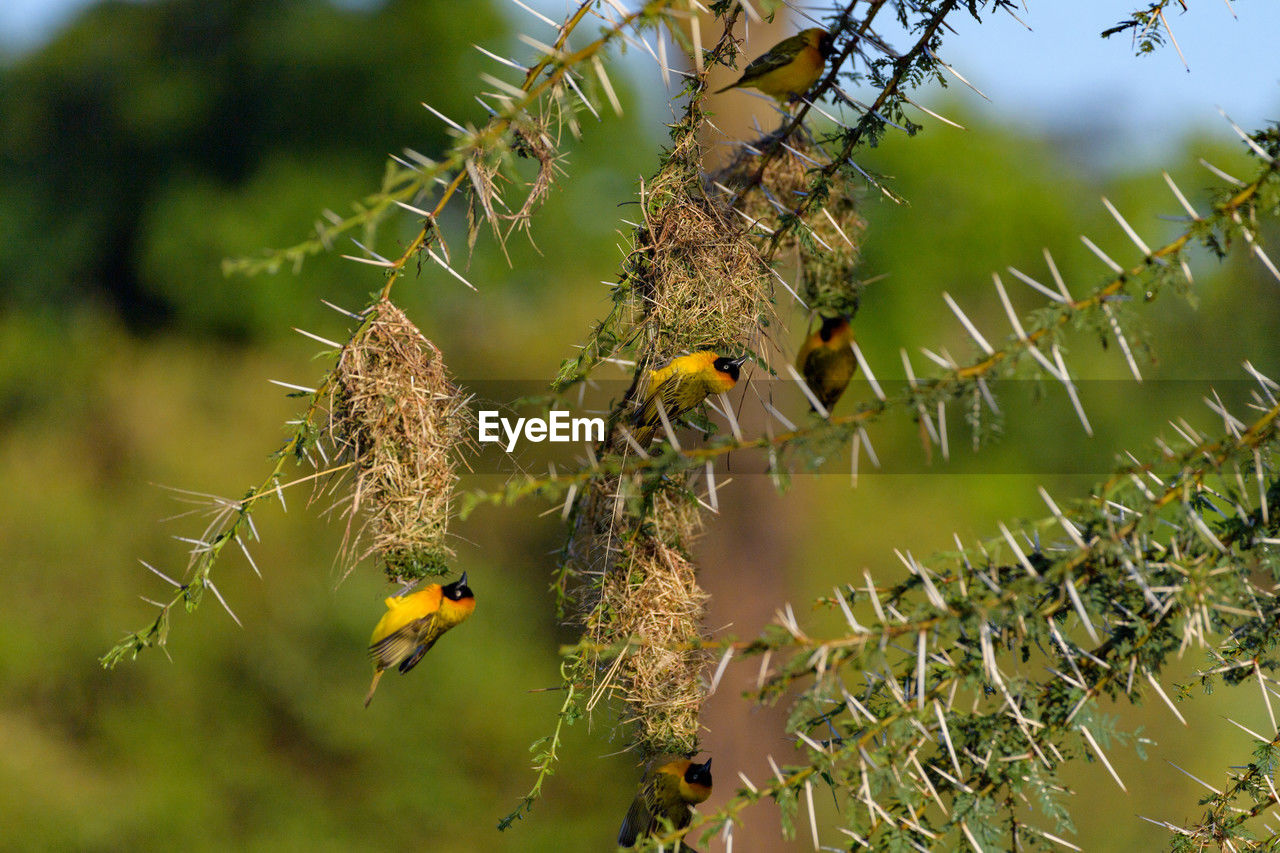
(398, 417)
(827, 248)
(651, 603)
(699, 281)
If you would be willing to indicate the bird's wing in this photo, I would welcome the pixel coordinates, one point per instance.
(779, 55)
(668, 391)
(638, 822)
(827, 372)
(412, 661)
(401, 644)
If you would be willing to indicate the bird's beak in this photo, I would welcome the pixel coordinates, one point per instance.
(463, 580)
(707, 764)
(738, 362)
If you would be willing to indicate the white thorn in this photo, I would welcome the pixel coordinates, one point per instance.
(1133, 235)
(1182, 199)
(1032, 283)
(1097, 750)
(291, 386)
(1057, 276)
(608, 86)
(1221, 174)
(808, 392)
(973, 330)
(536, 14)
(1022, 558)
(333, 344)
(1102, 256)
(866, 370)
(957, 74)
(444, 118)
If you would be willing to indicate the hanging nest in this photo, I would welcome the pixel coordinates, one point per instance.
(398, 417)
(699, 281)
(827, 245)
(651, 605)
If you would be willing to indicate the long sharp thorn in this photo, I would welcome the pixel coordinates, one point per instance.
(423, 213)
(1076, 603)
(248, 556)
(1173, 39)
(1128, 229)
(663, 65)
(751, 11)
(1062, 519)
(956, 73)
(940, 118)
(1221, 174)
(223, 601)
(291, 386)
(808, 392)
(351, 314)
(333, 344)
(1155, 685)
(510, 63)
(1123, 341)
(1102, 256)
(537, 14)
(1032, 283)
(964, 320)
(1097, 750)
(1057, 276)
(607, 85)
(160, 574)
(1182, 199)
(1022, 558)
(449, 269)
(1008, 308)
(385, 264)
(866, 371)
(444, 118)
(1071, 391)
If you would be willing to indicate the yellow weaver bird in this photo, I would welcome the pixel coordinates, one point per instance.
(413, 623)
(671, 785)
(791, 66)
(679, 386)
(826, 360)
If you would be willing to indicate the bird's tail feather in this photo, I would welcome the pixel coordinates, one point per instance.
(372, 687)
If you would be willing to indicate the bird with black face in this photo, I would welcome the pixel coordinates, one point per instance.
(670, 786)
(678, 387)
(826, 360)
(413, 623)
(790, 68)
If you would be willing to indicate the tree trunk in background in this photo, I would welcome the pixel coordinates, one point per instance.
(745, 555)
(746, 558)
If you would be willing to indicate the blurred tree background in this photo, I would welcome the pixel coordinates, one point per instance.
(148, 141)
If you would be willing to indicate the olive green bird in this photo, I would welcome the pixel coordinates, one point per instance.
(668, 789)
(826, 360)
(789, 68)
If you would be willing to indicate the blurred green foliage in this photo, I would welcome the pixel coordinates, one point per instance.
(149, 141)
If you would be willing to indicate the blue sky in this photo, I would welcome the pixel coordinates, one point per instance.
(1059, 75)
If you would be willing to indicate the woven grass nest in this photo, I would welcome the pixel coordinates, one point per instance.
(827, 245)
(397, 416)
(700, 282)
(651, 606)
